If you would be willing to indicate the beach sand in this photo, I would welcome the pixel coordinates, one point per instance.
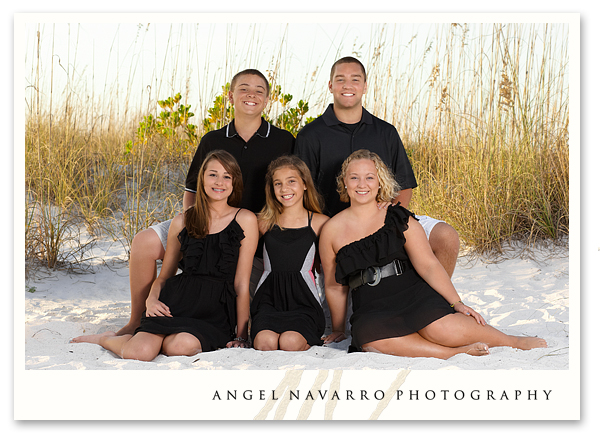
(524, 294)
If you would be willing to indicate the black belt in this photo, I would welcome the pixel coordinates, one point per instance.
(372, 276)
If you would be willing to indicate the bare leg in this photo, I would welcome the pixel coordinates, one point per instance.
(458, 329)
(181, 343)
(292, 341)
(266, 341)
(94, 338)
(445, 243)
(146, 249)
(142, 346)
(414, 345)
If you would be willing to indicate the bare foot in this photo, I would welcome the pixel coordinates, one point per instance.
(95, 338)
(527, 343)
(477, 349)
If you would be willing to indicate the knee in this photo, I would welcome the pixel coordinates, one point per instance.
(444, 238)
(263, 342)
(292, 341)
(147, 245)
(140, 352)
(182, 344)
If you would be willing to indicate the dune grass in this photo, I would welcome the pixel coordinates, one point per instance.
(495, 163)
(483, 112)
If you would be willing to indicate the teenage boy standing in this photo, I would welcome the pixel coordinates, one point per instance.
(346, 127)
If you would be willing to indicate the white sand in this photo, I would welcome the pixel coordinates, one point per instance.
(520, 296)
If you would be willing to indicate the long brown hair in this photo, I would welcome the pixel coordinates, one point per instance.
(197, 217)
(311, 199)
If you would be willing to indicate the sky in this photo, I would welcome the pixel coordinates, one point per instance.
(145, 55)
(136, 59)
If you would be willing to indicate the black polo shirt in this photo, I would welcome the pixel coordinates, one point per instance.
(268, 143)
(326, 142)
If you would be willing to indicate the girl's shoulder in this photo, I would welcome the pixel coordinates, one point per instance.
(246, 218)
(178, 221)
(263, 226)
(331, 227)
(318, 221)
(337, 219)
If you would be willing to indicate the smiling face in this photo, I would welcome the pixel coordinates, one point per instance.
(288, 186)
(249, 95)
(218, 183)
(348, 85)
(361, 180)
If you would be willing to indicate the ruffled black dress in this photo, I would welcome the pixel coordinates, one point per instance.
(286, 295)
(202, 298)
(398, 305)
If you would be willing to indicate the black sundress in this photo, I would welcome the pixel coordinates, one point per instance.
(398, 305)
(286, 297)
(201, 298)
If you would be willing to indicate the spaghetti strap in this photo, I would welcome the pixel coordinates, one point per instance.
(237, 213)
(310, 217)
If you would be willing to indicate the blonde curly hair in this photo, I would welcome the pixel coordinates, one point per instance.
(388, 186)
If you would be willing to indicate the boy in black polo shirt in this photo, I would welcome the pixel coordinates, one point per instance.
(346, 127)
(253, 142)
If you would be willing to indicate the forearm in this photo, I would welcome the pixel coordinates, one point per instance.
(243, 314)
(404, 197)
(189, 199)
(438, 279)
(337, 300)
(156, 288)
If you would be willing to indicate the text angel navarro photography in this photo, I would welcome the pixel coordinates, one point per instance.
(378, 395)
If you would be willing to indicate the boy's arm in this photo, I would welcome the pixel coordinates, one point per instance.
(404, 197)
(189, 198)
(191, 180)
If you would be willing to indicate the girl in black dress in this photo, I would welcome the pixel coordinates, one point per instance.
(206, 307)
(403, 300)
(286, 310)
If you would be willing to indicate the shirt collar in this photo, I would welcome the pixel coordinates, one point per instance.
(330, 118)
(263, 131)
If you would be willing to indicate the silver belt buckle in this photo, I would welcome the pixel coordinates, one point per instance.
(398, 267)
(377, 276)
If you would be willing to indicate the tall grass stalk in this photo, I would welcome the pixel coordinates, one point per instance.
(492, 158)
(483, 111)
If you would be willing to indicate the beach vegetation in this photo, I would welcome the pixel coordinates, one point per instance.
(483, 112)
